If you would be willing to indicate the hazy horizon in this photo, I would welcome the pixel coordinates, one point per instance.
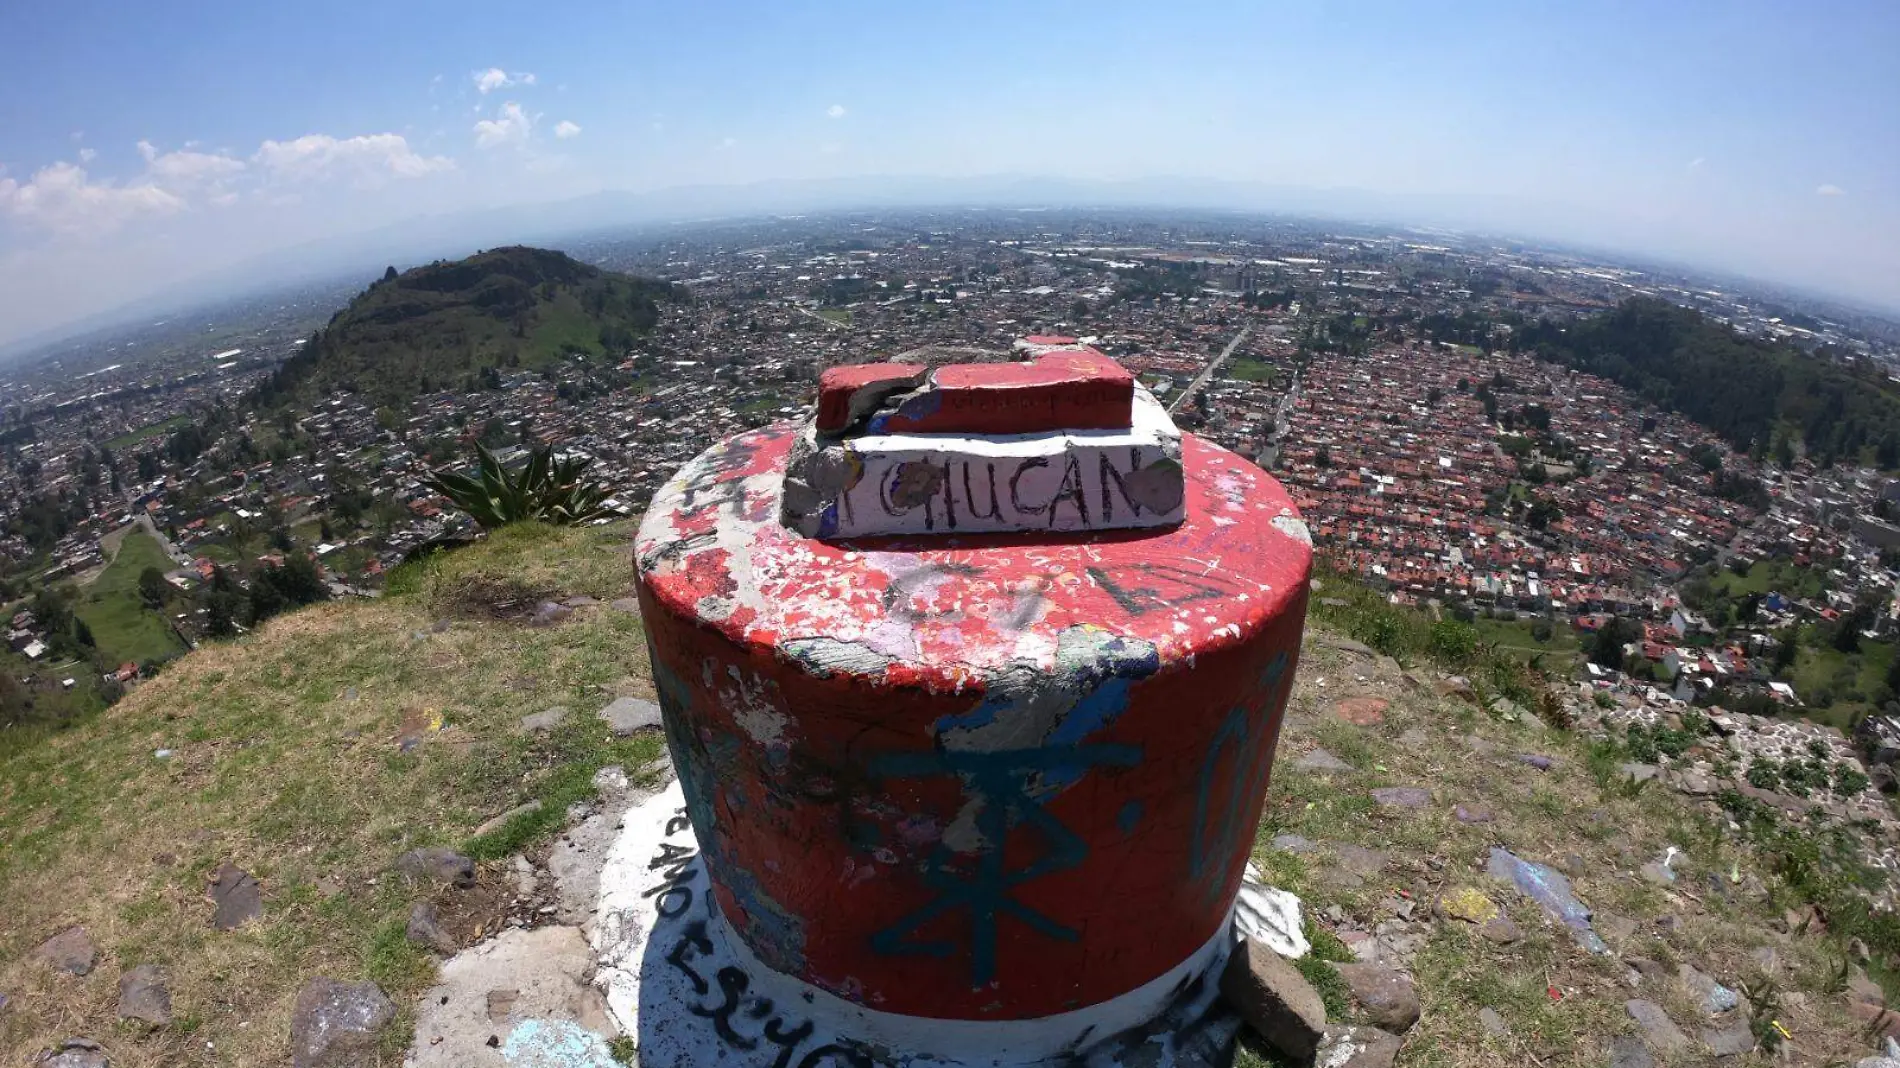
(141, 149)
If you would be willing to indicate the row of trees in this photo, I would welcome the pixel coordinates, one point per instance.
(273, 590)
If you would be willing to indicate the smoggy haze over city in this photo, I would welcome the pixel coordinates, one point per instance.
(149, 152)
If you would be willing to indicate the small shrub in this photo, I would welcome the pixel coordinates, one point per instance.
(1764, 1006)
(1764, 774)
(545, 489)
(1454, 642)
(1381, 631)
(1803, 777)
(1640, 743)
(1848, 781)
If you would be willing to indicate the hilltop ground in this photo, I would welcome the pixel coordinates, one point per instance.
(315, 751)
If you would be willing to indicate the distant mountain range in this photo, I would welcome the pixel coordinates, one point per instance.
(448, 324)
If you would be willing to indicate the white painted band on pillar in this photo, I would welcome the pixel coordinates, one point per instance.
(655, 886)
(1010, 1042)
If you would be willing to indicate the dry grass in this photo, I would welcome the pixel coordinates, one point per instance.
(1469, 757)
(277, 769)
(285, 761)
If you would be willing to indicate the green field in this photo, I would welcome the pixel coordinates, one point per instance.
(124, 628)
(764, 402)
(841, 316)
(1248, 369)
(1854, 682)
(218, 552)
(1771, 576)
(1561, 653)
(149, 431)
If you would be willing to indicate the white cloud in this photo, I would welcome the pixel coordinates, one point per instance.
(185, 169)
(728, 142)
(365, 160)
(565, 129)
(487, 81)
(1829, 190)
(835, 111)
(62, 198)
(1696, 163)
(510, 126)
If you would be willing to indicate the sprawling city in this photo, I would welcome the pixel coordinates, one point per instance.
(983, 536)
(1389, 379)
(1435, 405)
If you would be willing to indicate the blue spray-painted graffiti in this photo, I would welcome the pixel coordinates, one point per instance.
(1242, 739)
(690, 759)
(1000, 783)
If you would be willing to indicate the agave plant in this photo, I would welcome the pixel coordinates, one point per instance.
(545, 489)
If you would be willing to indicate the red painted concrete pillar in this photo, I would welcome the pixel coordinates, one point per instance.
(998, 776)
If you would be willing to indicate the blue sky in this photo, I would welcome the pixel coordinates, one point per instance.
(142, 143)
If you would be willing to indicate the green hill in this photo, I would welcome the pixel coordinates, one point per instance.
(443, 325)
(1753, 393)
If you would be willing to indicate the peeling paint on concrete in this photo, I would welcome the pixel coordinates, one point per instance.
(555, 1044)
(1293, 527)
(1271, 917)
(972, 750)
(825, 657)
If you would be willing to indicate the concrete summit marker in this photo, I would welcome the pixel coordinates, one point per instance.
(949, 797)
(1069, 442)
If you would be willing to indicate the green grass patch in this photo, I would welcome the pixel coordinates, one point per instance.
(1772, 576)
(147, 432)
(284, 761)
(1836, 687)
(121, 624)
(1248, 369)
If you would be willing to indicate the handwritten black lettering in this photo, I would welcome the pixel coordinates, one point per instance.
(838, 1054)
(970, 499)
(692, 940)
(1169, 587)
(1016, 483)
(733, 984)
(1070, 490)
(786, 1041)
(681, 898)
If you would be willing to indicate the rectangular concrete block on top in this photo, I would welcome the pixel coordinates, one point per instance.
(1069, 388)
(1067, 442)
